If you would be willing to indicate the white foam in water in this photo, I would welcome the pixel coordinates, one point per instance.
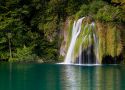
(82, 64)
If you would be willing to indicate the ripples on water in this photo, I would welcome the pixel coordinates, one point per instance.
(61, 77)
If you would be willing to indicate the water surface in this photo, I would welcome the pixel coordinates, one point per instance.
(61, 77)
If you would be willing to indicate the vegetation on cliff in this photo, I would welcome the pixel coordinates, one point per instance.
(30, 29)
(109, 20)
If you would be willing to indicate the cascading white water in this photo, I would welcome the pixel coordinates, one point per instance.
(90, 35)
(75, 32)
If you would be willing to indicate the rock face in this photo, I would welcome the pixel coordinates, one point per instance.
(64, 37)
(97, 42)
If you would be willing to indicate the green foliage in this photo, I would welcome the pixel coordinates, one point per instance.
(96, 5)
(110, 13)
(101, 10)
(84, 10)
(36, 24)
(31, 24)
(24, 54)
(49, 28)
(117, 1)
(90, 9)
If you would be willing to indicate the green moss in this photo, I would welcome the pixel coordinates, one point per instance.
(114, 46)
(85, 39)
(109, 40)
(69, 33)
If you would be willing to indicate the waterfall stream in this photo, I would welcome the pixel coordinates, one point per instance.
(85, 55)
(75, 32)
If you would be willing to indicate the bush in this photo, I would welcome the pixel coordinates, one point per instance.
(110, 13)
(24, 54)
(90, 9)
(101, 10)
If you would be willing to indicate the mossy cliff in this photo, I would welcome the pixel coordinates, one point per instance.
(110, 40)
(109, 20)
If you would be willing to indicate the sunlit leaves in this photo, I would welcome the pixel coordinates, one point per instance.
(24, 54)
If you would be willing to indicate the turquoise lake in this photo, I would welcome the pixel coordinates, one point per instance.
(61, 77)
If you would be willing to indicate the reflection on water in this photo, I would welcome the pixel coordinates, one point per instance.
(61, 77)
(91, 78)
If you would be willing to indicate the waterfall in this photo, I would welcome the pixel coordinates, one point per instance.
(88, 48)
(75, 32)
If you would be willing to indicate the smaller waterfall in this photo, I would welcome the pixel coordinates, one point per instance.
(80, 54)
(88, 46)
